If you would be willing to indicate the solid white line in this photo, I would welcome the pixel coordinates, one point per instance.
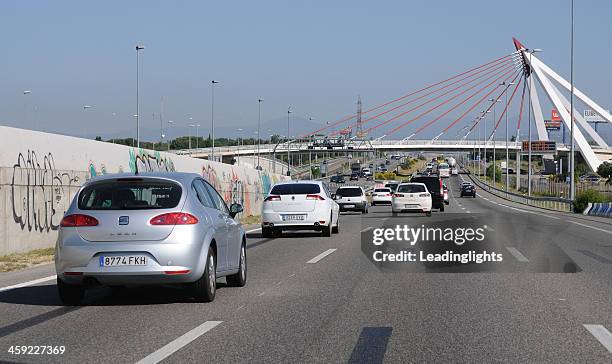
(366, 229)
(517, 254)
(602, 334)
(592, 227)
(29, 283)
(467, 212)
(178, 343)
(321, 256)
(252, 230)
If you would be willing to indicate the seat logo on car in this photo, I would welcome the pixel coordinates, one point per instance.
(124, 220)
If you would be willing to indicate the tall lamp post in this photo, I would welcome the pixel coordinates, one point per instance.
(484, 139)
(259, 101)
(310, 155)
(169, 124)
(494, 101)
(288, 144)
(507, 150)
(138, 49)
(190, 126)
(239, 130)
(571, 161)
(212, 116)
(197, 126)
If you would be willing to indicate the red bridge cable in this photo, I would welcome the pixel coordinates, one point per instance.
(478, 103)
(518, 125)
(506, 106)
(495, 67)
(454, 107)
(452, 98)
(410, 94)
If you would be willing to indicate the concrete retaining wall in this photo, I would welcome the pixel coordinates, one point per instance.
(40, 173)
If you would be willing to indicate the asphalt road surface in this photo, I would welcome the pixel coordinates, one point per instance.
(315, 299)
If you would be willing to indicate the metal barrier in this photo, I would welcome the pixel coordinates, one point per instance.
(603, 209)
(550, 203)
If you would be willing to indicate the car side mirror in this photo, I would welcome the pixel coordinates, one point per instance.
(234, 209)
(333, 196)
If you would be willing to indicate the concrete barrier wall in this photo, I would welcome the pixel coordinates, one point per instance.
(40, 173)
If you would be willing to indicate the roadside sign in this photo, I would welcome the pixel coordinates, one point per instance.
(591, 116)
(555, 115)
(540, 146)
(552, 124)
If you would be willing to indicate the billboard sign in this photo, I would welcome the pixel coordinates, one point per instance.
(552, 125)
(554, 115)
(591, 116)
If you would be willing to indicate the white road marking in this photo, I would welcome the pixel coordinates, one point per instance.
(321, 256)
(252, 230)
(467, 212)
(517, 254)
(463, 208)
(601, 334)
(261, 294)
(28, 283)
(178, 343)
(366, 229)
(488, 228)
(592, 227)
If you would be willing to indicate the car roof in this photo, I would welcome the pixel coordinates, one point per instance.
(349, 186)
(299, 182)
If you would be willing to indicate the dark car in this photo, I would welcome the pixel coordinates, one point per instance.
(434, 186)
(468, 190)
(340, 179)
(392, 186)
(387, 162)
(354, 176)
(333, 179)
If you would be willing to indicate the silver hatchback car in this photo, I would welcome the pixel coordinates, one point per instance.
(150, 228)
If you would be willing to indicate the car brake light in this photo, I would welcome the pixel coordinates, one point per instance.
(272, 198)
(174, 218)
(78, 220)
(314, 197)
(185, 271)
(424, 195)
(441, 187)
(398, 195)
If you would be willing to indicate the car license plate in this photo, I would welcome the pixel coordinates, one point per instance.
(349, 206)
(411, 206)
(124, 260)
(294, 217)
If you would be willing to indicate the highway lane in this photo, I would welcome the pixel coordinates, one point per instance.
(343, 308)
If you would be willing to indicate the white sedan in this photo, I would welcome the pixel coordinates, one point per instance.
(411, 197)
(381, 196)
(300, 205)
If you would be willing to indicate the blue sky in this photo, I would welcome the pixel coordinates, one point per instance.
(314, 55)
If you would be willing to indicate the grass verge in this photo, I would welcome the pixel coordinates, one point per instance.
(17, 261)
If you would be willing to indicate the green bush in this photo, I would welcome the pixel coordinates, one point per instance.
(498, 174)
(386, 175)
(583, 198)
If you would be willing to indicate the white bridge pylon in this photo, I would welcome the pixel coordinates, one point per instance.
(545, 77)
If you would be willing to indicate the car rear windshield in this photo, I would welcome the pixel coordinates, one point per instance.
(295, 189)
(348, 192)
(443, 166)
(411, 188)
(133, 194)
(382, 190)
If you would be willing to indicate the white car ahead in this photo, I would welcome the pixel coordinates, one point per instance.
(300, 205)
(411, 197)
(443, 170)
(351, 198)
(382, 196)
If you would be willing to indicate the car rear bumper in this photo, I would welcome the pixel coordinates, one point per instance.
(419, 207)
(313, 220)
(381, 200)
(352, 206)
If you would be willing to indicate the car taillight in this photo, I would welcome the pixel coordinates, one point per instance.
(314, 197)
(398, 195)
(78, 220)
(174, 218)
(441, 188)
(272, 198)
(389, 194)
(424, 195)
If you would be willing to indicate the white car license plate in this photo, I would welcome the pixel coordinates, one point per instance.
(349, 206)
(294, 217)
(411, 206)
(116, 261)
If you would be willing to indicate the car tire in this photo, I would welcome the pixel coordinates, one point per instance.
(373, 204)
(204, 289)
(240, 278)
(327, 230)
(428, 213)
(442, 208)
(70, 294)
(336, 229)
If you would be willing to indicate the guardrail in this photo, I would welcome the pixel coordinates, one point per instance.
(550, 203)
(603, 209)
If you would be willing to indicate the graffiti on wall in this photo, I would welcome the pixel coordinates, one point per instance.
(149, 161)
(38, 190)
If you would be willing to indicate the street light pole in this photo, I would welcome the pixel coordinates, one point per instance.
(197, 136)
(138, 48)
(531, 52)
(507, 151)
(259, 101)
(288, 144)
(169, 123)
(494, 101)
(239, 130)
(572, 169)
(212, 116)
(310, 155)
